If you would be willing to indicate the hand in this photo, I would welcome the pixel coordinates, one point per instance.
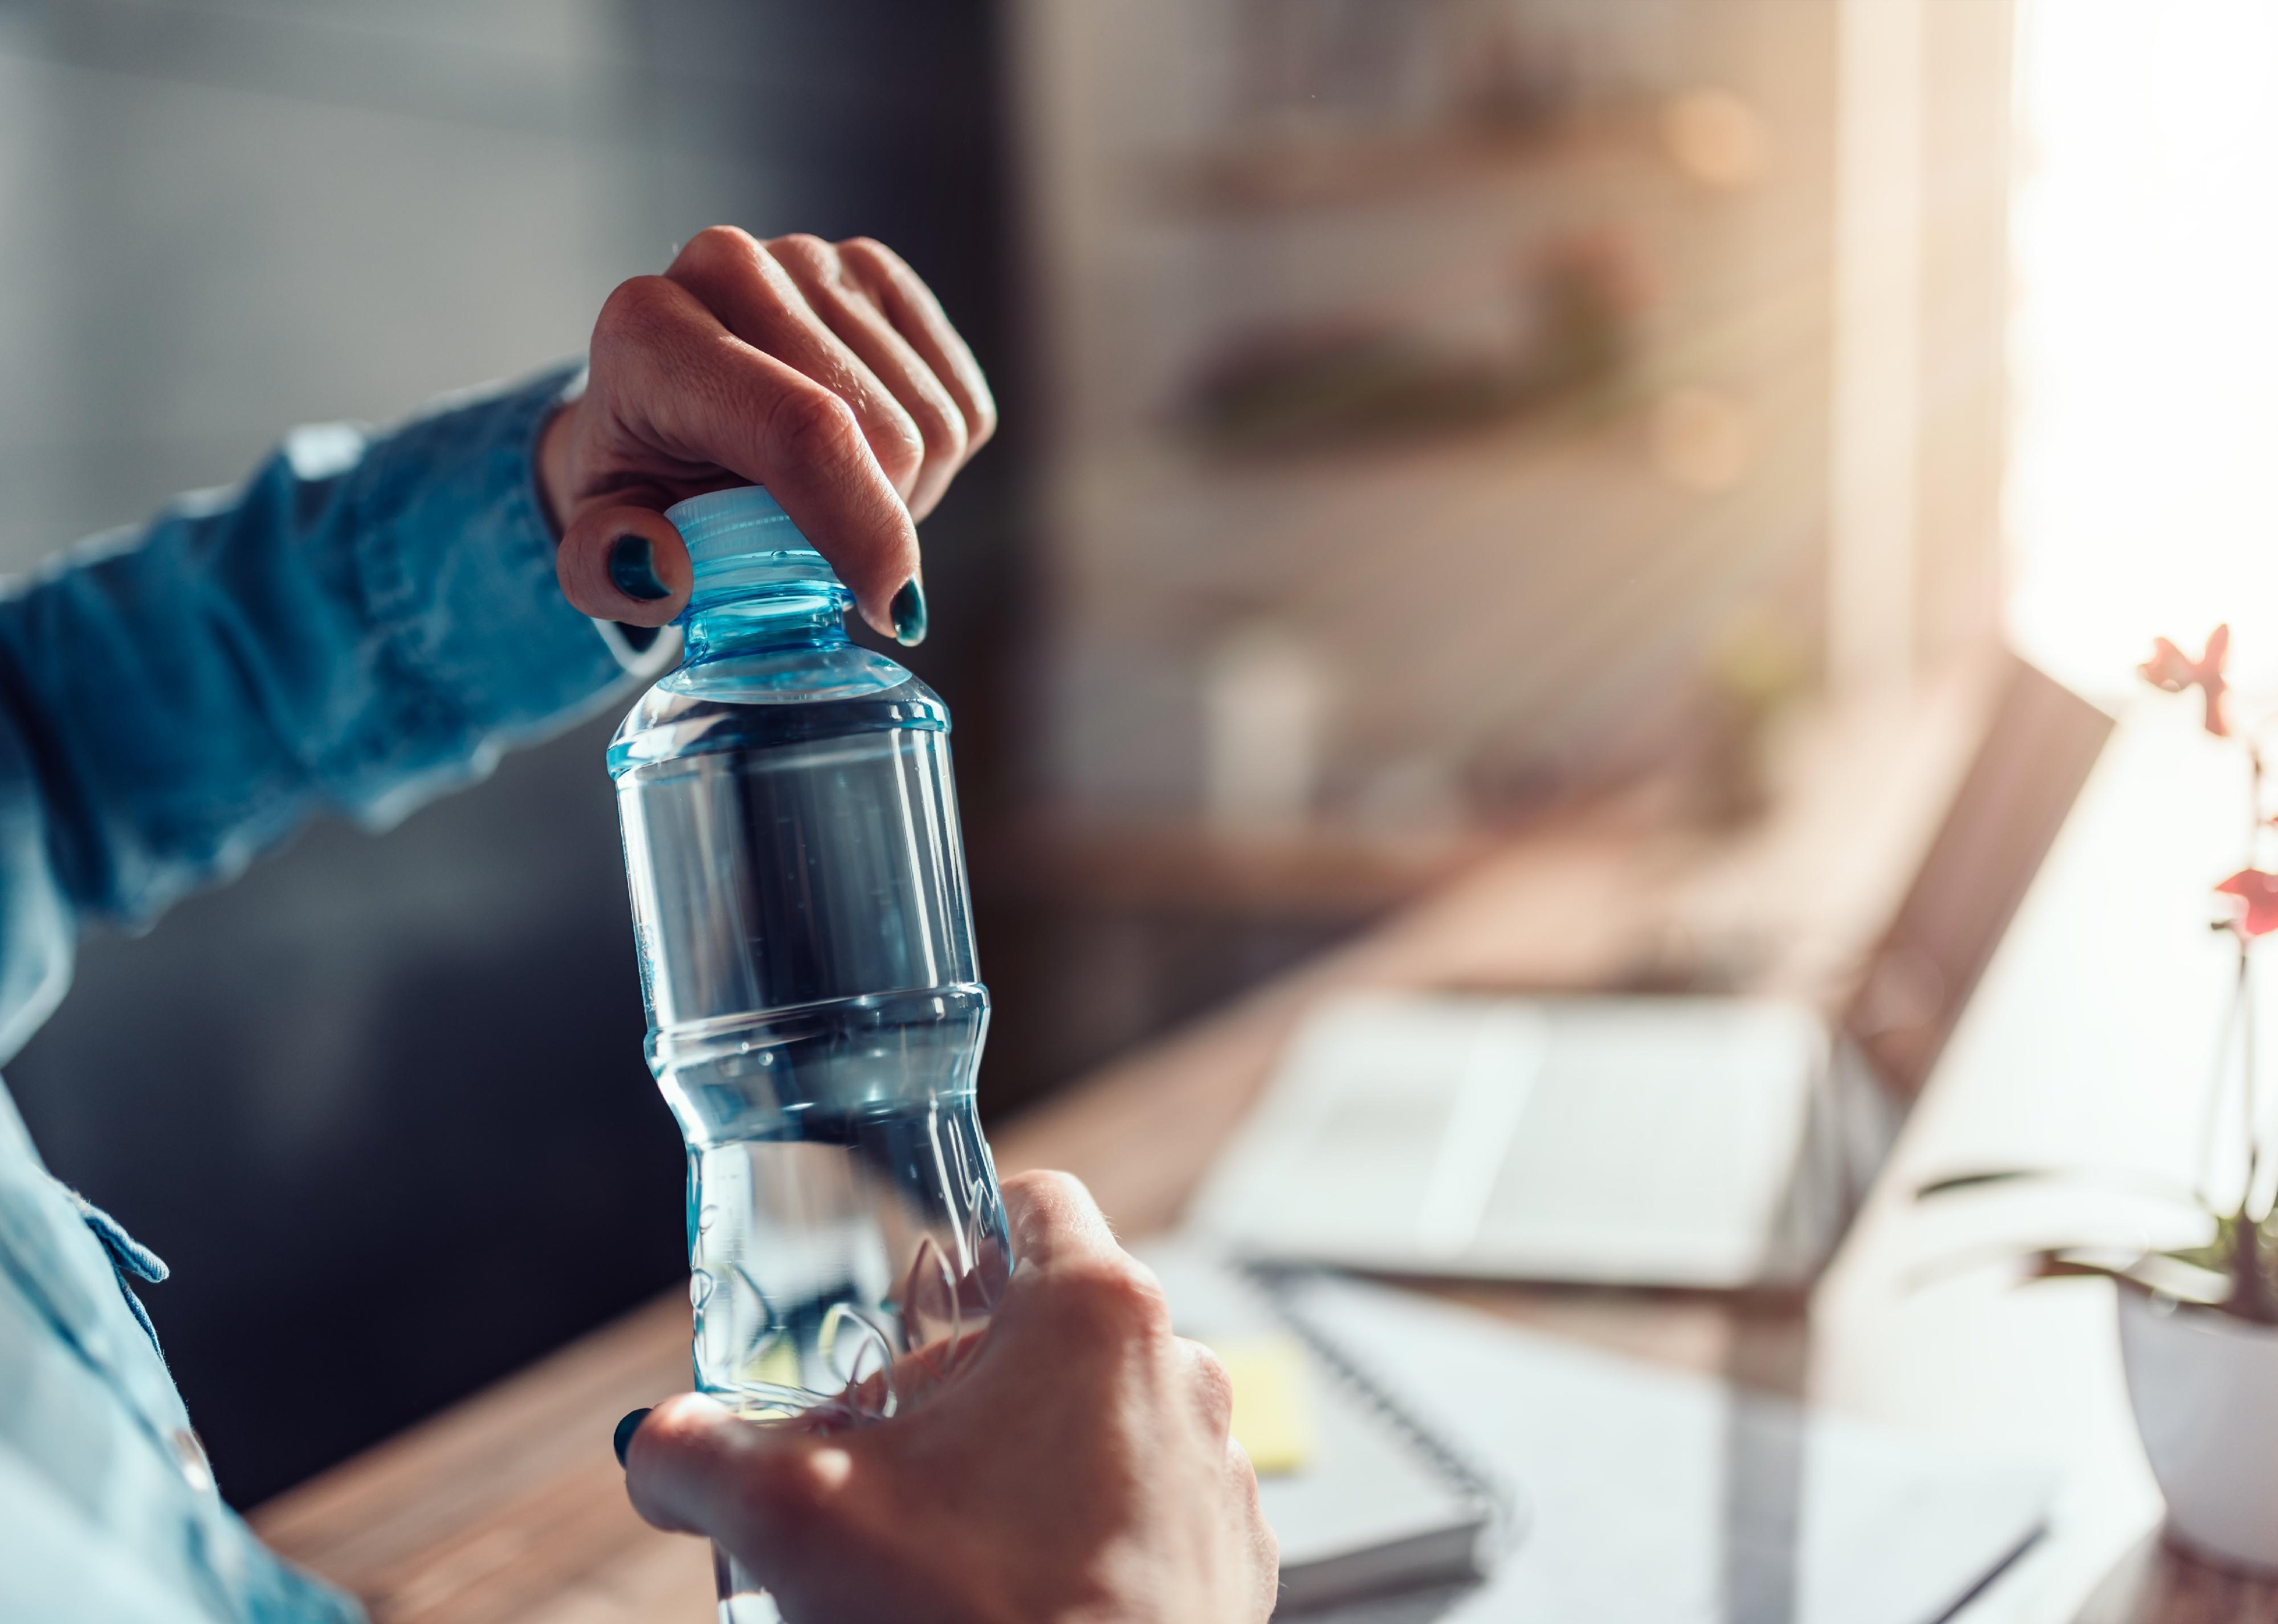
(1078, 1469)
(826, 372)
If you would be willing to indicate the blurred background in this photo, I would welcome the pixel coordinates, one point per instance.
(1422, 416)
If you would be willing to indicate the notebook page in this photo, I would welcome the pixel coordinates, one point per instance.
(1362, 1486)
(1656, 1498)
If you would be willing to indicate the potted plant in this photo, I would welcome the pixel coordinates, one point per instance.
(2199, 1325)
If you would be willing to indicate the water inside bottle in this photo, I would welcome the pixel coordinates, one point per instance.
(815, 1011)
(786, 859)
(869, 1248)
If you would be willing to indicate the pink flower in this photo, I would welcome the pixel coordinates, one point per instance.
(2169, 669)
(2257, 893)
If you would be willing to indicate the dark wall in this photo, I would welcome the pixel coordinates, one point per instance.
(381, 1104)
(883, 118)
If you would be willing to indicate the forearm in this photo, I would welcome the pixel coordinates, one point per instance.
(362, 623)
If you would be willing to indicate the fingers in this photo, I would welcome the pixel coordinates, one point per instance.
(1054, 1221)
(854, 315)
(624, 564)
(755, 298)
(1212, 1391)
(918, 316)
(828, 374)
(708, 399)
(1073, 1290)
(1211, 1387)
(1255, 1536)
(693, 1468)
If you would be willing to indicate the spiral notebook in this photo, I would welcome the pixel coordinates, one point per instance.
(1462, 1470)
(1366, 1496)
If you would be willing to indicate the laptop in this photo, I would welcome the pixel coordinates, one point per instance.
(1712, 1142)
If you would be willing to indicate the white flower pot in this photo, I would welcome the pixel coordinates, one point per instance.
(2205, 1387)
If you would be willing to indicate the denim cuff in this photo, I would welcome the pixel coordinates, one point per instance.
(456, 562)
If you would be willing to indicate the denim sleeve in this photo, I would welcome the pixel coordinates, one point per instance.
(365, 621)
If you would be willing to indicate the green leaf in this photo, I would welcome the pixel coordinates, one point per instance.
(2123, 1178)
(2159, 1272)
(1979, 1180)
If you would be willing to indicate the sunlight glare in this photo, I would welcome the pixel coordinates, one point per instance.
(2143, 491)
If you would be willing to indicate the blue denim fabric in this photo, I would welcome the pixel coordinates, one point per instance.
(365, 623)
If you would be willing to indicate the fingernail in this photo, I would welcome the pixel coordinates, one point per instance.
(909, 612)
(632, 569)
(626, 1428)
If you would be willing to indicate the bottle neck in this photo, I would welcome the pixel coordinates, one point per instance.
(784, 617)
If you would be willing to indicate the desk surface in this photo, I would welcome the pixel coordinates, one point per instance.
(508, 1508)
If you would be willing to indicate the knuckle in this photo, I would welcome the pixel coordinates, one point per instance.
(984, 425)
(1048, 1184)
(1267, 1544)
(726, 267)
(900, 444)
(813, 425)
(876, 264)
(805, 249)
(636, 309)
(1118, 1299)
(1242, 1478)
(1044, 1197)
(1213, 1387)
(940, 428)
(718, 246)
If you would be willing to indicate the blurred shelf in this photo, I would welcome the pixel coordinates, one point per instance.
(1318, 873)
(1277, 172)
(1599, 440)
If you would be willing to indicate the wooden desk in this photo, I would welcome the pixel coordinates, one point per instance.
(2091, 1027)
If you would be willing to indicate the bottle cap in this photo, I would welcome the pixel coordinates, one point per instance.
(741, 539)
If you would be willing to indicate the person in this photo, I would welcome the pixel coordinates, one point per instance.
(366, 621)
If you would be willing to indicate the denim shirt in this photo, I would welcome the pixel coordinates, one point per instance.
(365, 623)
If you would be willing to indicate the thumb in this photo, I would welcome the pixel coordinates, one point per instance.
(621, 562)
(764, 1492)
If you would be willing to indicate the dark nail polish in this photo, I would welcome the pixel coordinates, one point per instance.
(909, 612)
(632, 569)
(639, 639)
(626, 1428)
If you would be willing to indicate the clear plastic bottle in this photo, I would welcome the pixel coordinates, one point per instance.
(815, 1013)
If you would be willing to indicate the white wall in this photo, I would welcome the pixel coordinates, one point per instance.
(217, 220)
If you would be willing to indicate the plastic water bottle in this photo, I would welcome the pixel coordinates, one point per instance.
(816, 1014)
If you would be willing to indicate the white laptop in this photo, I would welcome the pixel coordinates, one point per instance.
(1697, 1142)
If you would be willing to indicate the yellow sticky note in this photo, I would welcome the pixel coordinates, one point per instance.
(777, 1364)
(1272, 1402)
